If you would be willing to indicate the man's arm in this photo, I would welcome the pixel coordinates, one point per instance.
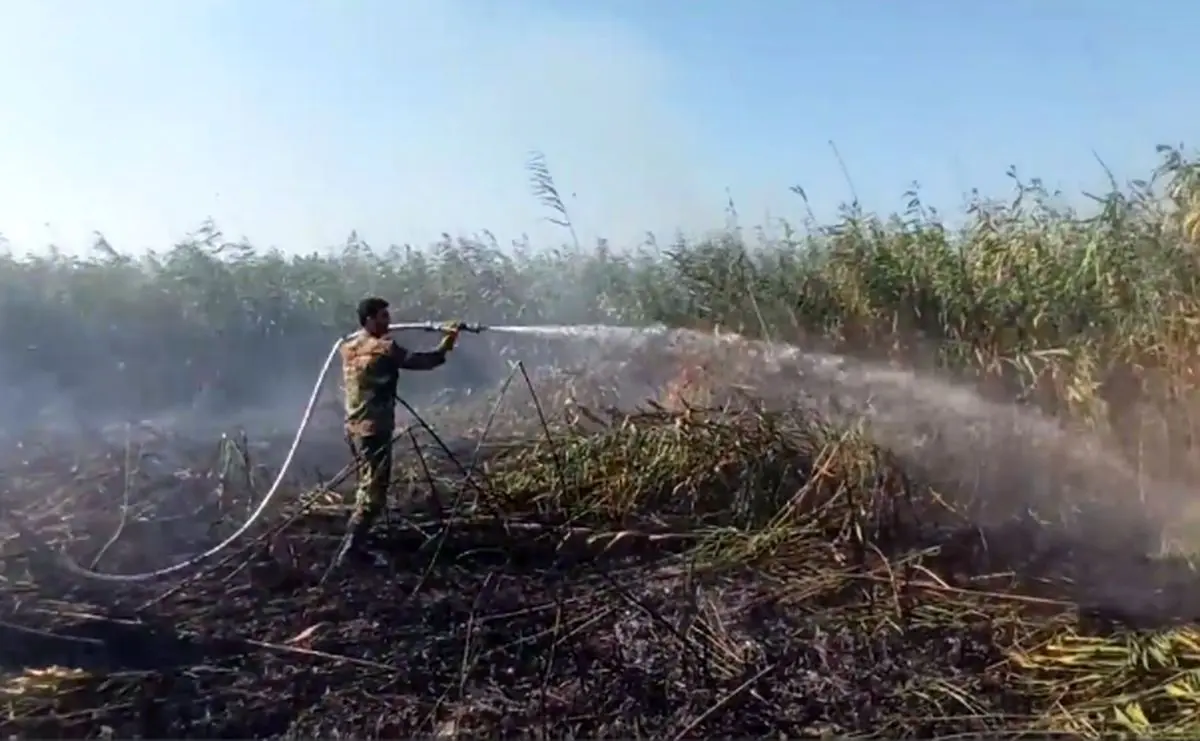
(418, 361)
(422, 361)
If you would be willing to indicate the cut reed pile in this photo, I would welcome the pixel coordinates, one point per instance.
(678, 573)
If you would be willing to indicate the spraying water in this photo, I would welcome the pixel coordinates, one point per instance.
(593, 332)
(964, 441)
(1012, 460)
(948, 430)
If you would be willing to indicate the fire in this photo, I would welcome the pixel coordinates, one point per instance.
(710, 376)
(692, 385)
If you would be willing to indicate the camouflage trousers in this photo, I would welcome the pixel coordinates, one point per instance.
(373, 457)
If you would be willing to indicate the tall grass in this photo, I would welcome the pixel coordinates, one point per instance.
(1097, 318)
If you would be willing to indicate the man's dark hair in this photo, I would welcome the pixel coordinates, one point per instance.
(368, 308)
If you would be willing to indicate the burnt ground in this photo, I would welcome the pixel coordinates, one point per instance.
(502, 639)
(504, 628)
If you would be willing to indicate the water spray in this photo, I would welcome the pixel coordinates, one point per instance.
(568, 331)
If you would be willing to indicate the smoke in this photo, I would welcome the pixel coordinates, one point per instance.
(74, 377)
(200, 374)
(1002, 464)
(1026, 481)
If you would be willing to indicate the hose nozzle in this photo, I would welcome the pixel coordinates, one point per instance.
(460, 326)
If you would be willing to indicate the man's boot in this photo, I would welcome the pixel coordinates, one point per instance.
(352, 549)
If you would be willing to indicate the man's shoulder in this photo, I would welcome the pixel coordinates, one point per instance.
(361, 343)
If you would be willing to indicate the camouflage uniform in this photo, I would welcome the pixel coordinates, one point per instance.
(371, 368)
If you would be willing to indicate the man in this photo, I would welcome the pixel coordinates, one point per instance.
(371, 365)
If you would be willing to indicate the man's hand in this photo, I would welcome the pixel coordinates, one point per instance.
(452, 330)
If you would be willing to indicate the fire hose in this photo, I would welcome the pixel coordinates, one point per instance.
(75, 568)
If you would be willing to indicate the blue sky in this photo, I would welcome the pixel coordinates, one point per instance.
(292, 122)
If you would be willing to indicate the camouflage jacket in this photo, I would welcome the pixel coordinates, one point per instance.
(370, 371)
